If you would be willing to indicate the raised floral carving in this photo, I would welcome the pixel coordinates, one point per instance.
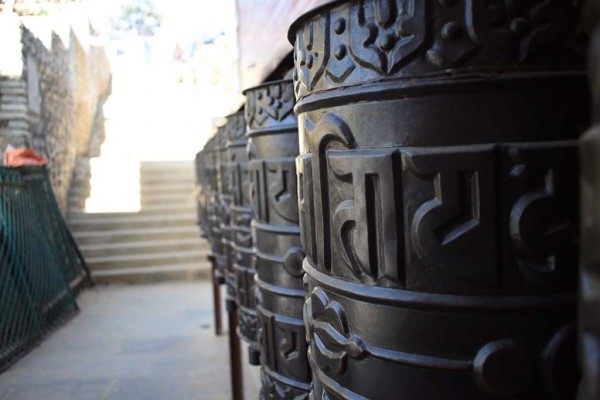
(275, 102)
(366, 40)
(384, 33)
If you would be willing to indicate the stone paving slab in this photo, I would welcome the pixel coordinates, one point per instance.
(142, 342)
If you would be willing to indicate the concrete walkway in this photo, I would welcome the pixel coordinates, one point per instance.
(127, 343)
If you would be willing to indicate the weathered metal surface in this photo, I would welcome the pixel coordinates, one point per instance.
(589, 323)
(273, 146)
(438, 197)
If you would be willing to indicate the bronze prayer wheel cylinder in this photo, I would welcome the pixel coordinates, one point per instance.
(438, 197)
(273, 146)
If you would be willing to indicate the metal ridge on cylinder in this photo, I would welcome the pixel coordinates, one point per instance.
(273, 146)
(438, 197)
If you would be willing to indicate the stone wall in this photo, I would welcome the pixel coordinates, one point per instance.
(52, 101)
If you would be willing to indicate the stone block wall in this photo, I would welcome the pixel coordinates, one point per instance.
(14, 121)
(53, 100)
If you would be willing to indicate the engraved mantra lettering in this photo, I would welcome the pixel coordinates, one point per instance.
(453, 201)
(331, 130)
(455, 230)
(257, 188)
(542, 224)
(365, 226)
(273, 189)
(283, 345)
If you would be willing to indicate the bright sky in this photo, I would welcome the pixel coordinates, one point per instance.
(164, 120)
(181, 17)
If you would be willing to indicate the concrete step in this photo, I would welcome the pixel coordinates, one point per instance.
(147, 247)
(146, 166)
(147, 260)
(187, 187)
(181, 199)
(170, 171)
(124, 221)
(165, 179)
(168, 208)
(132, 235)
(168, 198)
(162, 209)
(146, 189)
(158, 273)
(76, 205)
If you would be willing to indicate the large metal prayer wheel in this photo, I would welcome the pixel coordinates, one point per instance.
(240, 272)
(438, 197)
(273, 146)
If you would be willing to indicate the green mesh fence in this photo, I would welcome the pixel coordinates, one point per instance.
(39, 262)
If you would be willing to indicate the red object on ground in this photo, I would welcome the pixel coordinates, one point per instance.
(20, 157)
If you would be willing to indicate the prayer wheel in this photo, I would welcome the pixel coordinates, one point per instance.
(438, 196)
(240, 272)
(273, 146)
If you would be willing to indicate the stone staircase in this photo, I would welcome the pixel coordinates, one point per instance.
(160, 242)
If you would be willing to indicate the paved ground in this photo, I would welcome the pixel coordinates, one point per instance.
(130, 342)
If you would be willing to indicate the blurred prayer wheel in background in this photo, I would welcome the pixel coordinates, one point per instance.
(438, 196)
(207, 192)
(223, 233)
(273, 146)
(240, 272)
(202, 212)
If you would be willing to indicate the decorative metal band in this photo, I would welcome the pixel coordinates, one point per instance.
(235, 129)
(270, 107)
(352, 42)
(279, 230)
(488, 304)
(280, 291)
(342, 345)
